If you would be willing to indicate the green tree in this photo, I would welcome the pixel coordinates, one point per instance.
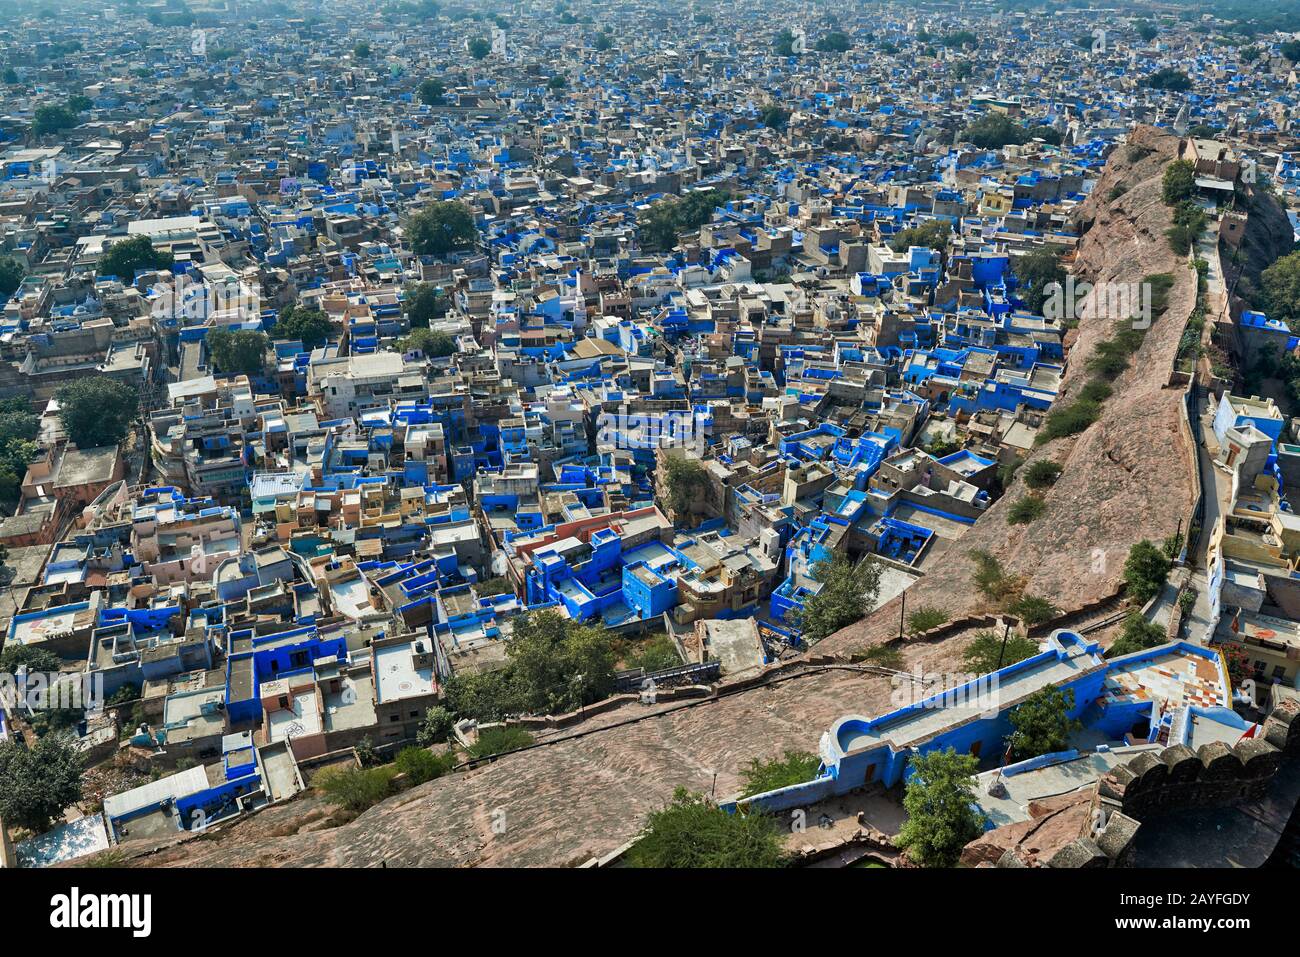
(559, 665)
(934, 233)
(685, 481)
(1280, 284)
(940, 805)
(692, 832)
(436, 727)
(440, 228)
(1147, 31)
(96, 412)
(660, 225)
(1145, 571)
(1035, 274)
(1170, 79)
(52, 119)
(557, 82)
(432, 92)
(361, 51)
(773, 116)
(423, 303)
(1291, 50)
(763, 776)
(11, 276)
(238, 352)
(37, 783)
(1138, 634)
(311, 326)
(1042, 723)
(433, 344)
(126, 257)
(479, 48)
(36, 659)
(1178, 183)
(986, 654)
(833, 42)
(603, 42)
(783, 43)
(848, 591)
(995, 130)
(654, 654)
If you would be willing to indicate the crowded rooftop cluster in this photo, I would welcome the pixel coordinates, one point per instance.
(352, 354)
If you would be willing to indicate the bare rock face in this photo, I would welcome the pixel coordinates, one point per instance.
(1127, 476)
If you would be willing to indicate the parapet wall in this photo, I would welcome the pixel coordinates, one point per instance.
(1175, 779)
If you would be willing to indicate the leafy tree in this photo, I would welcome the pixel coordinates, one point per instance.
(432, 343)
(36, 659)
(10, 76)
(961, 38)
(685, 481)
(126, 257)
(833, 42)
(1042, 473)
(1147, 31)
(995, 130)
(559, 665)
(555, 665)
(985, 654)
(1035, 273)
(52, 119)
(773, 116)
(1042, 723)
(1170, 79)
(849, 590)
(479, 48)
(763, 776)
(432, 92)
(661, 224)
(238, 352)
(603, 42)
(366, 753)
(557, 82)
(934, 233)
(926, 618)
(311, 326)
(500, 739)
(1291, 50)
(96, 412)
(783, 44)
(1280, 284)
(1145, 571)
(1138, 634)
(36, 784)
(692, 831)
(437, 726)
(423, 304)
(11, 276)
(361, 51)
(440, 228)
(940, 805)
(420, 765)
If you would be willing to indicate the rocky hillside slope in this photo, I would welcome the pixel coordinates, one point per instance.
(1127, 476)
